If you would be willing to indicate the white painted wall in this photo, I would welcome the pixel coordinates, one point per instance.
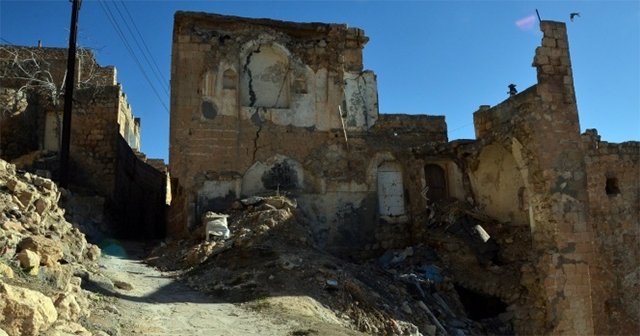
(266, 73)
(361, 96)
(390, 190)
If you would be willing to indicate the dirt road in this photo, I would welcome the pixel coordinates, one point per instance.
(158, 305)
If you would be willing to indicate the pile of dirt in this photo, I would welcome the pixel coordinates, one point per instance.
(42, 259)
(270, 263)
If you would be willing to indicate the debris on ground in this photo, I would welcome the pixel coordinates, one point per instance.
(271, 257)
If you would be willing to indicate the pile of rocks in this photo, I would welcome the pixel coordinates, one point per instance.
(39, 254)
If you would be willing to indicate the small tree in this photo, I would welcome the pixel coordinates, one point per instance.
(29, 74)
(43, 71)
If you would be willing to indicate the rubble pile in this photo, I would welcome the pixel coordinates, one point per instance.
(270, 255)
(41, 256)
(486, 260)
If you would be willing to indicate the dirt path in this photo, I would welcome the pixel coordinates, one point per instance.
(159, 305)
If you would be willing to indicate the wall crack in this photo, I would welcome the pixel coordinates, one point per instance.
(247, 70)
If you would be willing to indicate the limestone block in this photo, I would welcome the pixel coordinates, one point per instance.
(42, 204)
(57, 276)
(46, 184)
(15, 185)
(29, 261)
(12, 226)
(26, 196)
(549, 42)
(25, 311)
(49, 250)
(6, 271)
(93, 252)
(67, 307)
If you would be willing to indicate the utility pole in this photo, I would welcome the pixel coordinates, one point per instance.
(68, 96)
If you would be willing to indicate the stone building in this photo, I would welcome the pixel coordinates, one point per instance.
(105, 135)
(261, 106)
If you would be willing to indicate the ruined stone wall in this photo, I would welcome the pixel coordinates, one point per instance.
(104, 75)
(245, 91)
(128, 128)
(94, 131)
(416, 129)
(52, 66)
(100, 113)
(540, 130)
(614, 208)
(261, 106)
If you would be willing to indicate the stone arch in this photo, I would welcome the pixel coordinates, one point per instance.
(265, 77)
(278, 173)
(301, 80)
(436, 182)
(498, 185)
(229, 79)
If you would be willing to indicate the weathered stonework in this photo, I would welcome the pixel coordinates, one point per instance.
(613, 180)
(105, 136)
(286, 106)
(261, 106)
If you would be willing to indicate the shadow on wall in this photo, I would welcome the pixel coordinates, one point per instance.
(139, 202)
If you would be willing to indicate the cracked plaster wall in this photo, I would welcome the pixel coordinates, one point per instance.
(576, 282)
(298, 89)
(534, 180)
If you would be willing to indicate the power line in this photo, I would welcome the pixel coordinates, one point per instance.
(143, 42)
(148, 62)
(7, 41)
(113, 21)
(122, 36)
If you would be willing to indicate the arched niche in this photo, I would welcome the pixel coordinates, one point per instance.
(278, 173)
(265, 77)
(229, 79)
(498, 185)
(436, 182)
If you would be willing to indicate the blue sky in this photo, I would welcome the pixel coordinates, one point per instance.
(431, 57)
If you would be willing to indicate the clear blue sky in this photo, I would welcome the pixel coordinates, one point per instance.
(431, 57)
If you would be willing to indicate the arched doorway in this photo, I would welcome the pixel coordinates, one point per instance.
(436, 181)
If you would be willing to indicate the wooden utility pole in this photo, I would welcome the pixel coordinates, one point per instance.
(70, 82)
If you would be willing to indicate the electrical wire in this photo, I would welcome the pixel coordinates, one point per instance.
(139, 43)
(120, 33)
(143, 42)
(11, 43)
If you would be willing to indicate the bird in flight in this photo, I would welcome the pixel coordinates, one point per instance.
(573, 15)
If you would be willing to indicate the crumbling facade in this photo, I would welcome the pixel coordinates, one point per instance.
(261, 106)
(105, 135)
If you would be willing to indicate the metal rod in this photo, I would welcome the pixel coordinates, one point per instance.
(68, 96)
(344, 129)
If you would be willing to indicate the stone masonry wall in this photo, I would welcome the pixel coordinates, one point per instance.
(322, 129)
(94, 131)
(218, 125)
(101, 111)
(554, 175)
(614, 200)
